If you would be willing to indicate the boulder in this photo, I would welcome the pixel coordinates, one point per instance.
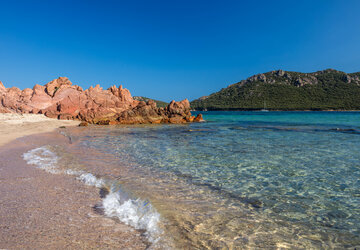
(83, 124)
(40, 99)
(54, 85)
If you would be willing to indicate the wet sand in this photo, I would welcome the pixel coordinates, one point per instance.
(40, 210)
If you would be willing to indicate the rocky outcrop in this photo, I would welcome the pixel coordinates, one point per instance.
(146, 99)
(54, 85)
(63, 100)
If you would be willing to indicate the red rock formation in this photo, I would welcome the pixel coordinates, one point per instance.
(54, 85)
(60, 99)
(198, 118)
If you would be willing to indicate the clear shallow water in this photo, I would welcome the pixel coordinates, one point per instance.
(241, 179)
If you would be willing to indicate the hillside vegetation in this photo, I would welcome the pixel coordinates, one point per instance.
(283, 90)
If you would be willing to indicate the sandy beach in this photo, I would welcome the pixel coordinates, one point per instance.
(40, 210)
(13, 125)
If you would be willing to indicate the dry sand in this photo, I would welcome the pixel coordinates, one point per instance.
(39, 210)
(13, 126)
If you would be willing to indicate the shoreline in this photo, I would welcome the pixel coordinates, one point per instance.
(43, 210)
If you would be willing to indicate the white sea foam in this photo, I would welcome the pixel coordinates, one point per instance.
(137, 213)
(134, 212)
(73, 172)
(91, 180)
(42, 158)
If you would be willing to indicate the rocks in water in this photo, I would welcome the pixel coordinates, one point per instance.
(199, 118)
(63, 100)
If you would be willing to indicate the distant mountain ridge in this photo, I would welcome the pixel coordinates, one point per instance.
(286, 90)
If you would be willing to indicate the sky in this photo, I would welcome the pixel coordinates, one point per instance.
(173, 49)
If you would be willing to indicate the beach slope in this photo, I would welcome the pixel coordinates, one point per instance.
(40, 210)
(14, 125)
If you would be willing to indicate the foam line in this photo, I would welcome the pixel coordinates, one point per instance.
(135, 212)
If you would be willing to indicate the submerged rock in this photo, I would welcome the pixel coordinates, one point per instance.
(63, 100)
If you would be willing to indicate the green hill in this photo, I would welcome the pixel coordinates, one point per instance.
(159, 104)
(283, 90)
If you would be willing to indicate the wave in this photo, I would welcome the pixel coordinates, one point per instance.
(91, 180)
(138, 213)
(42, 158)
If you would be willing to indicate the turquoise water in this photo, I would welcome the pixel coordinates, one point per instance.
(241, 179)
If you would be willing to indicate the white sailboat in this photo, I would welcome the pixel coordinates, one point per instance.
(264, 109)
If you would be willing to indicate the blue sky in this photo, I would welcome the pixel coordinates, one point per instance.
(173, 49)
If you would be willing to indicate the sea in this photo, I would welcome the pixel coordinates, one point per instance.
(239, 180)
